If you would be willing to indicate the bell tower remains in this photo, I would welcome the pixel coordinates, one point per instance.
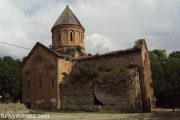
(67, 32)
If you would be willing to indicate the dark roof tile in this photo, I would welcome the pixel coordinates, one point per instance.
(67, 17)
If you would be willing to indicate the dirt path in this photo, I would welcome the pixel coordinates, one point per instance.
(94, 116)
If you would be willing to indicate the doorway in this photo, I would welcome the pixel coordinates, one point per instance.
(28, 105)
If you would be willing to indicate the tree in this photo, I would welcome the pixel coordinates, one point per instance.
(97, 53)
(24, 58)
(175, 54)
(172, 81)
(165, 74)
(10, 76)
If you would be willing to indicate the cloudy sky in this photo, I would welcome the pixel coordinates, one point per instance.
(109, 24)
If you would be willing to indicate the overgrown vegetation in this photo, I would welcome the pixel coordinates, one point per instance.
(10, 77)
(165, 75)
(78, 48)
(89, 71)
(113, 74)
(82, 73)
(51, 47)
(97, 54)
(67, 49)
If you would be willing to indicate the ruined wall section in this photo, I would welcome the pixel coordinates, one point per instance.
(64, 67)
(122, 93)
(114, 61)
(133, 57)
(76, 95)
(148, 80)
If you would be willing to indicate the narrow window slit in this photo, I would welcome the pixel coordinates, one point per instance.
(52, 82)
(59, 37)
(71, 37)
(40, 81)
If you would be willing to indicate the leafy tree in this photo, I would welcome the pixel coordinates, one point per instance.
(175, 54)
(165, 74)
(10, 76)
(24, 58)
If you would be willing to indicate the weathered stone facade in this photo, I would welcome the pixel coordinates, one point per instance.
(109, 94)
(44, 69)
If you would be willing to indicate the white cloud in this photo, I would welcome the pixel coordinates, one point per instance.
(98, 43)
(17, 29)
(117, 23)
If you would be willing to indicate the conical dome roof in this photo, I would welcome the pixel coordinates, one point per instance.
(67, 17)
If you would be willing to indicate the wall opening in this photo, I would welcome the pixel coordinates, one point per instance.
(52, 82)
(81, 38)
(28, 105)
(28, 85)
(97, 102)
(63, 73)
(71, 36)
(59, 37)
(40, 81)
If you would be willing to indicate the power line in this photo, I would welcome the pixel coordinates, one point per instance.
(20, 46)
(15, 45)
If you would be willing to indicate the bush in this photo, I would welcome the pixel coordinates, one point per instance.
(79, 49)
(97, 54)
(113, 74)
(82, 73)
(89, 70)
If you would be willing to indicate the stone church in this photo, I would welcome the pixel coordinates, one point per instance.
(44, 68)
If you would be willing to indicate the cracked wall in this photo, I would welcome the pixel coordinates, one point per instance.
(110, 94)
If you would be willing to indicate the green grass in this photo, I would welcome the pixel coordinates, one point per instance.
(40, 111)
(3, 103)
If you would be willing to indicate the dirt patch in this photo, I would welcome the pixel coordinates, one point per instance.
(104, 116)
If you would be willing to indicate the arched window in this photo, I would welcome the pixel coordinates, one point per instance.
(28, 85)
(52, 82)
(81, 38)
(63, 73)
(71, 36)
(40, 81)
(59, 37)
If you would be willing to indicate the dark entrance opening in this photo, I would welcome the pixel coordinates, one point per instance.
(28, 105)
(97, 102)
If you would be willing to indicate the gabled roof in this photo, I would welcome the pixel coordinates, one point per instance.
(67, 17)
(58, 55)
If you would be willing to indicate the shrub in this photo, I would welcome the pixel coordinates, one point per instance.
(82, 73)
(89, 70)
(79, 49)
(97, 54)
(113, 74)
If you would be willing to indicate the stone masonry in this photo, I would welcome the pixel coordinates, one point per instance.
(44, 68)
(121, 93)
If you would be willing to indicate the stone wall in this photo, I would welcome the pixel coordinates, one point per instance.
(41, 75)
(133, 57)
(122, 93)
